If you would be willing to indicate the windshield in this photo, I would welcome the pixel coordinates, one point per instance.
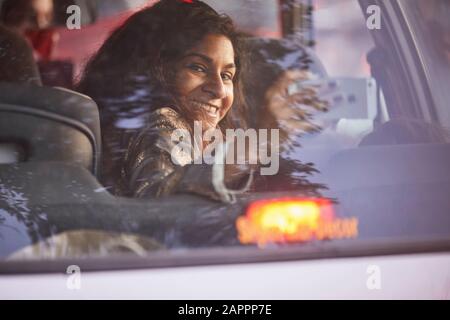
(164, 128)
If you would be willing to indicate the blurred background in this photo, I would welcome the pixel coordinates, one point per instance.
(334, 29)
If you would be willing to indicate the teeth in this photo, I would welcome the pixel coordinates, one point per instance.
(212, 111)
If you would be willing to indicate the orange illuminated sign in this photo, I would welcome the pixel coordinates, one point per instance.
(293, 220)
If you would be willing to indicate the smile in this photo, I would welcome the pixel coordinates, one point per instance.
(210, 109)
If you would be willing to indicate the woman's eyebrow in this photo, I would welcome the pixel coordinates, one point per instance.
(208, 59)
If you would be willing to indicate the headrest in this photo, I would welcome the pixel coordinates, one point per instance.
(51, 124)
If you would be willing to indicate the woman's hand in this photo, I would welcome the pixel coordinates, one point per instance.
(291, 110)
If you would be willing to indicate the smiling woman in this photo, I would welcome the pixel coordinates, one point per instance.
(169, 65)
(204, 79)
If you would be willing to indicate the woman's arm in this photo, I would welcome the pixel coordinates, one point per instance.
(148, 169)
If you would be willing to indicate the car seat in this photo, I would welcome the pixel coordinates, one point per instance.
(48, 124)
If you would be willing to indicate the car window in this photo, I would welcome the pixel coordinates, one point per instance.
(344, 51)
(434, 50)
(255, 17)
(332, 111)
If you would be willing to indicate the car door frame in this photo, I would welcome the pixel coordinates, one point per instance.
(396, 39)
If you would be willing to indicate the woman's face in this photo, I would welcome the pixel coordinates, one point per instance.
(204, 78)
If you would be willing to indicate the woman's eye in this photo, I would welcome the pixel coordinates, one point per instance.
(227, 76)
(197, 68)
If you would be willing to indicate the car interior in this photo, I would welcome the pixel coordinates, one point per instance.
(57, 124)
(50, 137)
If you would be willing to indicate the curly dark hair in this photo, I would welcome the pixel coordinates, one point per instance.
(129, 76)
(136, 61)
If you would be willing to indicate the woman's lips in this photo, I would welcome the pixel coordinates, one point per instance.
(210, 109)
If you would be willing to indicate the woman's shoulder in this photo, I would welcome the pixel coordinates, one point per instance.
(166, 119)
(158, 131)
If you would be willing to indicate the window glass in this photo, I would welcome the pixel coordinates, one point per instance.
(162, 127)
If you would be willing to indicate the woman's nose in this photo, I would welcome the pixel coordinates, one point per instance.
(215, 87)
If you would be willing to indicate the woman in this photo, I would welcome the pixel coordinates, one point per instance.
(169, 65)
